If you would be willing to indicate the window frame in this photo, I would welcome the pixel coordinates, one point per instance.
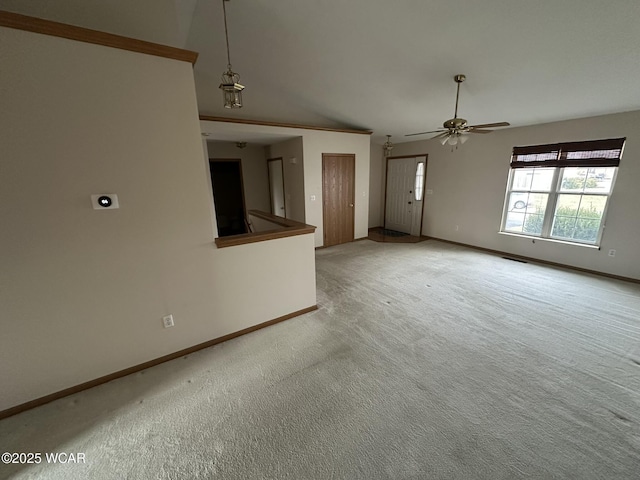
(559, 164)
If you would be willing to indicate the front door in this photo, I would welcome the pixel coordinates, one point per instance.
(338, 197)
(404, 194)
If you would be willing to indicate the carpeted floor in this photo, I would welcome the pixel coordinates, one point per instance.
(425, 361)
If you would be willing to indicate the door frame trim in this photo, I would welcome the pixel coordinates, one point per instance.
(424, 186)
(353, 197)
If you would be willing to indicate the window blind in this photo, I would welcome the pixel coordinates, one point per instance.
(592, 153)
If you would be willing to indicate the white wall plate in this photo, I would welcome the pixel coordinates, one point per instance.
(105, 201)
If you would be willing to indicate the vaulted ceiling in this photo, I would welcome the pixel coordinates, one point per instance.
(389, 66)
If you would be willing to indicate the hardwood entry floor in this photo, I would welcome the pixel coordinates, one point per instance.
(379, 234)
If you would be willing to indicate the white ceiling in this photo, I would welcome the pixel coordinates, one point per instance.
(388, 66)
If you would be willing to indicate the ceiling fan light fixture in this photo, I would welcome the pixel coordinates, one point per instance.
(230, 86)
(455, 130)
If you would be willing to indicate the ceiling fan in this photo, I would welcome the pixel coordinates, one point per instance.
(456, 129)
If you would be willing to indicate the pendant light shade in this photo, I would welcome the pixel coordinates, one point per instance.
(231, 89)
(387, 146)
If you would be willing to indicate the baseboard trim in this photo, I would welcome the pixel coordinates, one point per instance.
(537, 260)
(151, 363)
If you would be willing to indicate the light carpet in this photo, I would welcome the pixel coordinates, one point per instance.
(425, 361)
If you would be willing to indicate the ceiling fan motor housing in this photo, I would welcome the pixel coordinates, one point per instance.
(455, 124)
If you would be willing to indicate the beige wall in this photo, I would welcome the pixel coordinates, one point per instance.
(314, 144)
(83, 291)
(293, 175)
(254, 171)
(469, 186)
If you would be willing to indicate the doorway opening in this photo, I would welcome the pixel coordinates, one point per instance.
(276, 187)
(228, 196)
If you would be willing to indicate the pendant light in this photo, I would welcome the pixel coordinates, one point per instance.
(387, 146)
(231, 89)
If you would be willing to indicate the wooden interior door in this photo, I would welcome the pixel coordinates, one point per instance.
(338, 197)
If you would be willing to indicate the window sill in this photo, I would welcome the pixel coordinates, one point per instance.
(551, 240)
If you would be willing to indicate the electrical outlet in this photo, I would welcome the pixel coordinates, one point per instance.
(457, 228)
(167, 320)
(312, 198)
(429, 191)
(612, 253)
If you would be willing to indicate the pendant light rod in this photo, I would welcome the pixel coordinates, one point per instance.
(226, 33)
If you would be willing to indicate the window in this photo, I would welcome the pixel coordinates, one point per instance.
(419, 186)
(561, 191)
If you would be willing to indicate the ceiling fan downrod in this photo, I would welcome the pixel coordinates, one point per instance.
(459, 79)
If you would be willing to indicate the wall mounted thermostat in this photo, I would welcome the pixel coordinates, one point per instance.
(105, 201)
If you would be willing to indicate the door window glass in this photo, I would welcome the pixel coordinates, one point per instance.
(419, 186)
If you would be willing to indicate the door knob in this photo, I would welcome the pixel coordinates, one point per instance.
(351, 204)
(409, 203)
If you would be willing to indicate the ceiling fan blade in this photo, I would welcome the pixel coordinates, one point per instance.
(424, 133)
(476, 130)
(486, 125)
(441, 135)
